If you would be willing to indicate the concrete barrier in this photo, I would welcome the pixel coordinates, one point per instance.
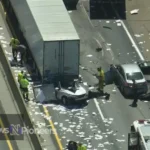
(19, 99)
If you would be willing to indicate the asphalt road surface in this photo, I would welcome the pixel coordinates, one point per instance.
(100, 124)
(4, 145)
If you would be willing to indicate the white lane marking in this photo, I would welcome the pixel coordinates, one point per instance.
(132, 41)
(98, 108)
(101, 37)
(86, 15)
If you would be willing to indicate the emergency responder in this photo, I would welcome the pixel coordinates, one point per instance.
(136, 95)
(20, 76)
(81, 147)
(24, 87)
(14, 43)
(101, 78)
(22, 50)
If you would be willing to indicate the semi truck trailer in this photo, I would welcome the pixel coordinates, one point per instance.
(47, 30)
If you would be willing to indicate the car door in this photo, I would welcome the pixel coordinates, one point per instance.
(120, 76)
(113, 74)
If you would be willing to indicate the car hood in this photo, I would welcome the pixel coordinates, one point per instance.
(78, 91)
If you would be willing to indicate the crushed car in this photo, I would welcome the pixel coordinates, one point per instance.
(71, 92)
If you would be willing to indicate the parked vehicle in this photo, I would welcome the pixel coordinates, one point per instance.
(125, 74)
(71, 92)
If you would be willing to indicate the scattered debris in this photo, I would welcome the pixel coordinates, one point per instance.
(93, 113)
(114, 90)
(108, 44)
(141, 42)
(107, 21)
(85, 83)
(120, 140)
(118, 24)
(137, 35)
(89, 55)
(118, 21)
(135, 11)
(108, 49)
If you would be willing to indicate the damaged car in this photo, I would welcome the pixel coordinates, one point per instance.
(71, 92)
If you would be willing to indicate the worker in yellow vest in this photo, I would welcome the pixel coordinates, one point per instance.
(24, 83)
(101, 78)
(81, 147)
(20, 76)
(14, 43)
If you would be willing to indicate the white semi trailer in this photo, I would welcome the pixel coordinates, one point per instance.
(49, 33)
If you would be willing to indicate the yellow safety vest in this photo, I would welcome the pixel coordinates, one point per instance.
(81, 147)
(14, 42)
(20, 76)
(101, 75)
(24, 83)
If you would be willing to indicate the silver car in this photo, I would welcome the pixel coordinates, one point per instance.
(125, 74)
(71, 92)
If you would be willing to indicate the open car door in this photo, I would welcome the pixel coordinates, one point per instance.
(145, 67)
(133, 141)
(111, 75)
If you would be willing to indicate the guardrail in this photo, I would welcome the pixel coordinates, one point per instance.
(19, 99)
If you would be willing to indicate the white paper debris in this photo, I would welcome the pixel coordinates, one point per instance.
(108, 49)
(108, 44)
(120, 140)
(98, 137)
(141, 42)
(100, 145)
(119, 24)
(118, 21)
(69, 11)
(91, 88)
(111, 119)
(135, 11)
(107, 21)
(4, 45)
(147, 50)
(94, 113)
(89, 55)
(2, 37)
(114, 90)
(55, 123)
(137, 35)
(85, 83)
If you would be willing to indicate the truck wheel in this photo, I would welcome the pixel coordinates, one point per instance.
(64, 100)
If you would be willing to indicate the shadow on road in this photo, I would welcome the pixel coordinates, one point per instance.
(107, 9)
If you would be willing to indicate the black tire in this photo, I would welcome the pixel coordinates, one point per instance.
(89, 94)
(64, 100)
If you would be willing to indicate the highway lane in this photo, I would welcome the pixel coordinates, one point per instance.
(4, 145)
(78, 124)
(5, 142)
